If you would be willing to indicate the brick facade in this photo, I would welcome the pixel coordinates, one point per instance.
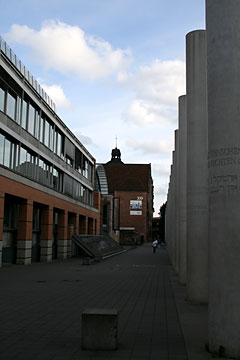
(69, 220)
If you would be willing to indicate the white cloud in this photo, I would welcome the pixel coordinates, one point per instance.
(160, 195)
(156, 88)
(69, 50)
(56, 93)
(160, 170)
(152, 146)
(160, 190)
(144, 112)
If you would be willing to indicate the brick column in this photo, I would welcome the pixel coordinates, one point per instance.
(46, 234)
(24, 241)
(97, 200)
(97, 226)
(1, 223)
(62, 235)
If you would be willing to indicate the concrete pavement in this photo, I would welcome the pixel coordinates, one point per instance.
(41, 307)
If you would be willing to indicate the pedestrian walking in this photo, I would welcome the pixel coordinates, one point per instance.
(154, 245)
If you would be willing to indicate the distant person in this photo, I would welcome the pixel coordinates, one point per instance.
(154, 245)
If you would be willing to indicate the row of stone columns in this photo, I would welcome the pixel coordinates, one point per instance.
(203, 204)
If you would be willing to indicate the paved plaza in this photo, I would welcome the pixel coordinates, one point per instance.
(41, 307)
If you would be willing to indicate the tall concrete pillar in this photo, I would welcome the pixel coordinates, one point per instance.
(169, 220)
(177, 214)
(223, 60)
(182, 188)
(173, 211)
(197, 187)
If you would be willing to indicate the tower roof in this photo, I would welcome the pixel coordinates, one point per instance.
(127, 177)
(116, 156)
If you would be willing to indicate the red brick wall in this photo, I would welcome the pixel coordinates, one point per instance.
(127, 220)
(15, 188)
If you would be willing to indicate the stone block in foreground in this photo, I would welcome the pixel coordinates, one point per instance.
(99, 329)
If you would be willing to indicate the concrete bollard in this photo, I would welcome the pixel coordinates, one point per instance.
(99, 329)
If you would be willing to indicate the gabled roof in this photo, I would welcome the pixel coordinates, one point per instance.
(127, 177)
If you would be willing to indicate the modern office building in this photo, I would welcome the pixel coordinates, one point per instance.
(127, 199)
(46, 174)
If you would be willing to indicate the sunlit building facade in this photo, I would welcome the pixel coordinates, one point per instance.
(46, 174)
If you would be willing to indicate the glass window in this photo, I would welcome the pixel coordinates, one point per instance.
(51, 137)
(2, 99)
(18, 110)
(40, 171)
(55, 179)
(42, 130)
(1, 148)
(45, 173)
(24, 114)
(86, 169)
(78, 191)
(46, 133)
(7, 153)
(68, 185)
(13, 154)
(59, 144)
(90, 173)
(16, 159)
(31, 119)
(60, 182)
(69, 161)
(28, 165)
(55, 141)
(35, 167)
(11, 106)
(22, 161)
(37, 125)
(91, 198)
(50, 172)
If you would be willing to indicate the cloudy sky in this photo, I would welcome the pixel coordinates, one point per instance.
(114, 68)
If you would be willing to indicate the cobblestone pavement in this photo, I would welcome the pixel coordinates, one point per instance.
(41, 307)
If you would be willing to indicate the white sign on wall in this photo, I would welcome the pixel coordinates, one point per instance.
(134, 212)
